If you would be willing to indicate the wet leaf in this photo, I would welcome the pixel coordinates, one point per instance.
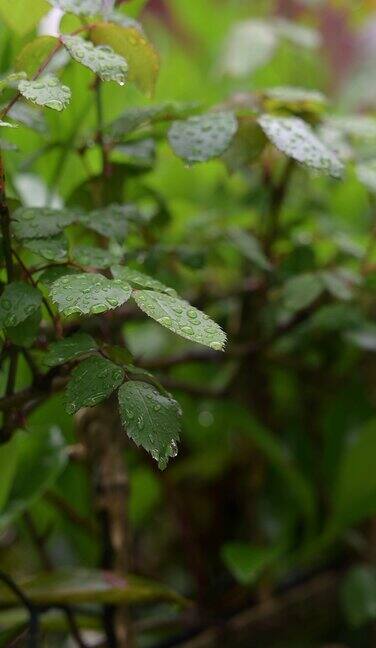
(201, 138)
(46, 91)
(93, 257)
(294, 99)
(92, 382)
(111, 221)
(151, 419)
(18, 301)
(181, 318)
(297, 140)
(101, 60)
(88, 294)
(69, 349)
(40, 222)
(25, 333)
(128, 42)
(139, 279)
(54, 248)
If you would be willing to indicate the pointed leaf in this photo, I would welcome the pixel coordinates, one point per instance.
(201, 138)
(181, 318)
(77, 586)
(34, 54)
(88, 294)
(142, 58)
(18, 301)
(69, 349)
(151, 419)
(247, 562)
(139, 279)
(301, 291)
(250, 247)
(101, 60)
(46, 91)
(296, 139)
(92, 382)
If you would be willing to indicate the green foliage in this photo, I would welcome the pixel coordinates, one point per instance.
(88, 294)
(101, 60)
(92, 381)
(17, 302)
(204, 137)
(69, 349)
(47, 91)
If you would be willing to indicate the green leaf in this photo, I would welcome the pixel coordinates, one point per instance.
(18, 301)
(77, 586)
(250, 44)
(140, 280)
(93, 257)
(88, 294)
(355, 490)
(301, 291)
(46, 91)
(111, 221)
(69, 349)
(92, 382)
(54, 248)
(41, 459)
(201, 138)
(25, 333)
(181, 318)
(247, 562)
(101, 60)
(356, 126)
(50, 275)
(142, 58)
(134, 7)
(151, 419)
(246, 146)
(34, 54)
(28, 116)
(8, 466)
(19, 18)
(39, 222)
(294, 99)
(298, 34)
(337, 284)
(250, 247)
(137, 117)
(80, 7)
(366, 174)
(363, 337)
(358, 595)
(297, 140)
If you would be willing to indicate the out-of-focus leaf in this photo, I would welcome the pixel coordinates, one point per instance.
(337, 284)
(18, 301)
(358, 595)
(88, 294)
(246, 146)
(142, 58)
(298, 34)
(69, 349)
(366, 173)
(355, 491)
(201, 138)
(101, 60)
(34, 54)
(46, 91)
(54, 248)
(181, 318)
(134, 118)
(111, 221)
(247, 562)
(93, 257)
(301, 291)
(41, 459)
(357, 126)
(363, 337)
(8, 466)
(18, 18)
(92, 382)
(28, 116)
(249, 46)
(294, 99)
(78, 586)
(26, 332)
(249, 247)
(80, 7)
(39, 222)
(151, 419)
(140, 280)
(297, 140)
(145, 495)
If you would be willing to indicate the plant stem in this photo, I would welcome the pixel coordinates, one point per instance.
(5, 225)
